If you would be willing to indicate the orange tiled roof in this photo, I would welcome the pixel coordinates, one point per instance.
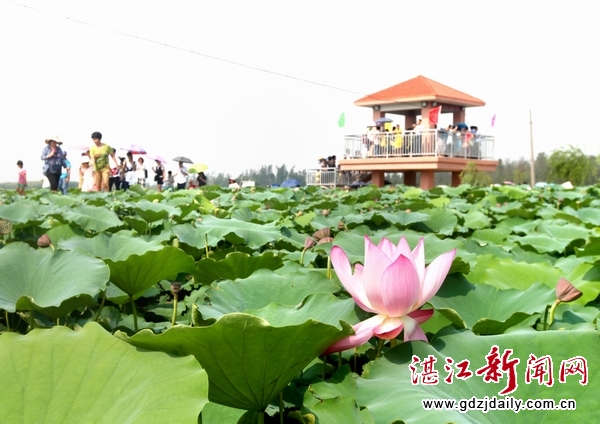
(419, 89)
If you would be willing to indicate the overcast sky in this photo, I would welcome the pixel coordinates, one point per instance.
(72, 67)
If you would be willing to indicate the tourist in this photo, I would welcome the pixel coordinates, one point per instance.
(170, 181)
(86, 174)
(141, 173)
(129, 172)
(114, 178)
(201, 179)
(65, 176)
(53, 158)
(99, 154)
(159, 173)
(22, 181)
(181, 177)
(233, 184)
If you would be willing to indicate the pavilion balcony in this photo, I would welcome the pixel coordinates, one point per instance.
(453, 144)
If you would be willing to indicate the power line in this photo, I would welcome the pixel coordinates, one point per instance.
(208, 56)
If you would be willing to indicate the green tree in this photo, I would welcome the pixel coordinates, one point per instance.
(570, 164)
(542, 167)
(475, 177)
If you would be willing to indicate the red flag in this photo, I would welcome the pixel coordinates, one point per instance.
(434, 115)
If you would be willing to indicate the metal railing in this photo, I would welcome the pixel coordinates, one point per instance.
(327, 177)
(458, 144)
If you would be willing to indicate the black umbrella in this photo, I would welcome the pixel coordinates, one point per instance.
(182, 159)
(384, 120)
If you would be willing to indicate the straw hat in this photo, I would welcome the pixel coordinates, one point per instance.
(53, 137)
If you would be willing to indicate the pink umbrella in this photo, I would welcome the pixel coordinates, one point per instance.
(135, 149)
(157, 157)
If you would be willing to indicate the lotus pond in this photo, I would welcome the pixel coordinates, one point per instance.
(216, 306)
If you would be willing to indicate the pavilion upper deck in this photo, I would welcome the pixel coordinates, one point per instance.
(434, 142)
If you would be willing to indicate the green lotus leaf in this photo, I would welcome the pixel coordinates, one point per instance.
(247, 360)
(260, 289)
(586, 277)
(476, 220)
(194, 237)
(93, 218)
(253, 235)
(63, 232)
(541, 243)
(513, 192)
(488, 235)
(378, 391)
(441, 221)
(152, 212)
(505, 273)
(21, 213)
(403, 219)
(136, 223)
(589, 216)
(304, 220)
(138, 273)
(235, 265)
(214, 413)
(488, 310)
(47, 280)
(322, 307)
(591, 248)
(116, 247)
(59, 375)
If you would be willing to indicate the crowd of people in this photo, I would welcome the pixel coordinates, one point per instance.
(454, 140)
(330, 162)
(102, 170)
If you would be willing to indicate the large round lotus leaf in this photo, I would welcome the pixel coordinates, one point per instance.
(262, 288)
(235, 265)
(152, 212)
(389, 395)
(486, 309)
(247, 360)
(116, 247)
(21, 213)
(237, 232)
(89, 376)
(93, 218)
(52, 281)
(138, 273)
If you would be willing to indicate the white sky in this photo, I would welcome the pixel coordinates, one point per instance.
(61, 76)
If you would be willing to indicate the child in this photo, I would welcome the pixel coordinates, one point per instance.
(22, 179)
(86, 173)
(170, 181)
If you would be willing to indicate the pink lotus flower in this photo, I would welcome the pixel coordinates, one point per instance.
(394, 284)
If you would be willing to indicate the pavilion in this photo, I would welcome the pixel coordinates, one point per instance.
(424, 149)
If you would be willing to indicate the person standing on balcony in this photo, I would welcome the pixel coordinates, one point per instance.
(371, 136)
(377, 142)
(397, 131)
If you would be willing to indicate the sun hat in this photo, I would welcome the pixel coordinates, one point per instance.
(53, 137)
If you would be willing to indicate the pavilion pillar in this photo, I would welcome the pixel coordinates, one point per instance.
(377, 114)
(410, 178)
(427, 179)
(455, 178)
(459, 116)
(378, 178)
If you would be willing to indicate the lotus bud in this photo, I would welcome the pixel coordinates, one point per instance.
(325, 212)
(309, 242)
(325, 240)
(175, 288)
(567, 292)
(408, 211)
(44, 241)
(341, 225)
(323, 232)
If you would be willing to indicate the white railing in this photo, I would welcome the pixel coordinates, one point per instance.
(458, 144)
(327, 177)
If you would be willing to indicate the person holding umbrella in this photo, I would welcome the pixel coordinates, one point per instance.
(181, 176)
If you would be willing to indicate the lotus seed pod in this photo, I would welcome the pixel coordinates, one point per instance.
(44, 241)
(322, 233)
(325, 212)
(325, 240)
(5, 226)
(309, 242)
(567, 292)
(175, 288)
(175, 242)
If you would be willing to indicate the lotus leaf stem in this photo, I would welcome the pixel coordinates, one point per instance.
(552, 308)
(7, 323)
(261, 417)
(101, 306)
(329, 267)
(31, 321)
(281, 407)
(545, 321)
(206, 243)
(302, 257)
(175, 297)
(135, 323)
